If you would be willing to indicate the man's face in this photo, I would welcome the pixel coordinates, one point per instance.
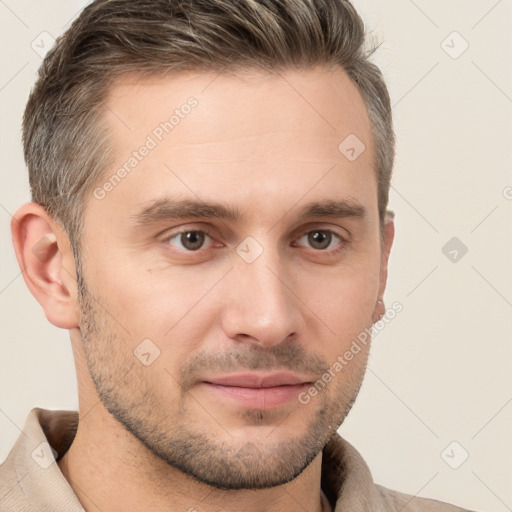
(237, 301)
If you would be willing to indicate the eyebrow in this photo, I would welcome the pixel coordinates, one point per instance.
(168, 209)
(340, 209)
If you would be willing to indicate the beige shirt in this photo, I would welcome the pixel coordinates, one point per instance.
(30, 480)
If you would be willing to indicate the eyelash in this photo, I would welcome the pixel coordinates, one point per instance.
(178, 234)
(342, 242)
(340, 245)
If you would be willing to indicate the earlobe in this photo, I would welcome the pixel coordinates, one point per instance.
(46, 261)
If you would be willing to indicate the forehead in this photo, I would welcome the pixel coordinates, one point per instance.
(245, 137)
(245, 103)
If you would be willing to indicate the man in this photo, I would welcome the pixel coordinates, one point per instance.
(210, 182)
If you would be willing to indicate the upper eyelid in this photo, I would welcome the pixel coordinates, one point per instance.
(341, 240)
(177, 230)
(310, 229)
(178, 233)
(296, 234)
(167, 239)
(344, 237)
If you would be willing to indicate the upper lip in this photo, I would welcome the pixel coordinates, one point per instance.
(257, 380)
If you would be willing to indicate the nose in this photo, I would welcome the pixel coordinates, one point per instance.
(261, 306)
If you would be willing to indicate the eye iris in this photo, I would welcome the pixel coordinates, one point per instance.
(192, 240)
(319, 239)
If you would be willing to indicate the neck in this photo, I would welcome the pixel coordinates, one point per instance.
(109, 469)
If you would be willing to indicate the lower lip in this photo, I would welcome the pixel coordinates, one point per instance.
(258, 398)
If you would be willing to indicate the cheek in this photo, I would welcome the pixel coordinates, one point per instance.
(178, 307)
(343, 301)
(173, 307)
(138, 293)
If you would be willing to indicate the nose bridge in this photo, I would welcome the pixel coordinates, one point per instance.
(261, 306)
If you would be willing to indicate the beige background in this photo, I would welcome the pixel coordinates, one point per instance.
(440, 371)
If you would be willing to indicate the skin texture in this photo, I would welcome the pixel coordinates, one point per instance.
(159, 436)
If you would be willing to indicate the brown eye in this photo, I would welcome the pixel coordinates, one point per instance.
(188, 240)
(319, 239)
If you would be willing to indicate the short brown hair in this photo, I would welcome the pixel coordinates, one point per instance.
(67, 151)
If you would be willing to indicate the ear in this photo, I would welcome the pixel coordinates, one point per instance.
(44, 255)
(388, 235)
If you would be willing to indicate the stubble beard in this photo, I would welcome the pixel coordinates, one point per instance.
(180, 440)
